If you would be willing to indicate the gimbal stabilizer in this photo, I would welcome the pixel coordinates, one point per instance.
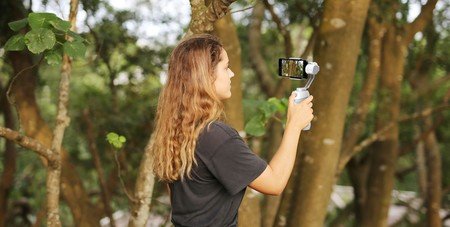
(298, 69)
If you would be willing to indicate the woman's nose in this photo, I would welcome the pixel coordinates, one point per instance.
(231, 73)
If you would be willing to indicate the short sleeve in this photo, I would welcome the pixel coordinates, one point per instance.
(235, 165)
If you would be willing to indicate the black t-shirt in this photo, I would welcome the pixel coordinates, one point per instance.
(226, 166)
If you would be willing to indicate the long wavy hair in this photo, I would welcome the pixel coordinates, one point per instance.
(187, 104)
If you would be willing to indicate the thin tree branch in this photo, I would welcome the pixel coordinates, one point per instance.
(53, 180)
(421, 20)
(244, 9)
(29, 143)
(119, 175)
(434, 85)
(90, 135)
(377, 135)
(422, 136)
(283, 30)
(282, 85)
(263, 74)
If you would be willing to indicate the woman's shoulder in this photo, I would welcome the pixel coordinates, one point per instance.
(220, 128)
(215, 134)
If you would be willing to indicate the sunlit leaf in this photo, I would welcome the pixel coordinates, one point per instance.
(115, 140)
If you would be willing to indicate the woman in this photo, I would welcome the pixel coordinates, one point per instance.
(205, 162)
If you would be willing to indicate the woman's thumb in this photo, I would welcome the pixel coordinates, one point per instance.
(292, 97)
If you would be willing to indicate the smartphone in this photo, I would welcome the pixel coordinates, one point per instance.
(293, 68)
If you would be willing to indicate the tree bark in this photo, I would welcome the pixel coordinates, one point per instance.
(336, 51)
(204, 15)
(434, 182)
(421, 169)
(9, 159)
(143, 191)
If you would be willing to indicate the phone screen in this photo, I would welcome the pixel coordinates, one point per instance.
(293, 68)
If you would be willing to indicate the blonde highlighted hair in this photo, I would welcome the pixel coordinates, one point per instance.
(187, 103)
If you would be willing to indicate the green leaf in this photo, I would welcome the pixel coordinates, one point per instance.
(61, 25)
(117, 144)
(76, 36)
(112, 136)
(115, 140)
(74, 49)
(53, 57)
(255, 126)
(277, 104)
(41, 20)
(15, 43)
(268, 109)
(38, 40)
(18, 24)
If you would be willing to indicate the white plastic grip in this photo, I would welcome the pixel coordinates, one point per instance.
(302, 94)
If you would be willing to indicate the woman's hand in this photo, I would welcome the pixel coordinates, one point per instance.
(274, 178)
(299, 115)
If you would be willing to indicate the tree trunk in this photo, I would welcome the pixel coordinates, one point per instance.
(143, 191)
(382, 168)
(428, 153)
(421, 169)
(357, 122)
(434, 176)
(9, 159)
(336, 51)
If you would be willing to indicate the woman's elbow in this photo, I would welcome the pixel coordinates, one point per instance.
(275, 191)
